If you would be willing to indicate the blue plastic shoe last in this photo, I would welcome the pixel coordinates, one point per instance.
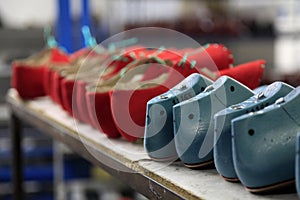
(193, 120)
(297, 170)
(222, 133)
(159, 137)
(264, 144)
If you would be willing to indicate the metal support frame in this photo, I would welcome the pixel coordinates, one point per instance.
(17, 158)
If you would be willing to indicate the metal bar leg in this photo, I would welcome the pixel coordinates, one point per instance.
(17, 159)
(58, 164)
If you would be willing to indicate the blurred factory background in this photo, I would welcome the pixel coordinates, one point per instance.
(268, 29)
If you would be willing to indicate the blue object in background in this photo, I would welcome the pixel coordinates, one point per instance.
(69, 30)
(85, 13)
(76, 168)
(64, 25)
(85, 18)
(38, 165)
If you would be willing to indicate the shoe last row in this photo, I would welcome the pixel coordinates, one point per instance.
(251, 137)
(251, 140)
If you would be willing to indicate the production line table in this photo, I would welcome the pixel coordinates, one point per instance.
(123, 160)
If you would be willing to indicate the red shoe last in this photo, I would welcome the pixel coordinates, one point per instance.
(250, 73)
(67, 94)
(98, 104)
(80, 110)
(128, 106)
(28, 74)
